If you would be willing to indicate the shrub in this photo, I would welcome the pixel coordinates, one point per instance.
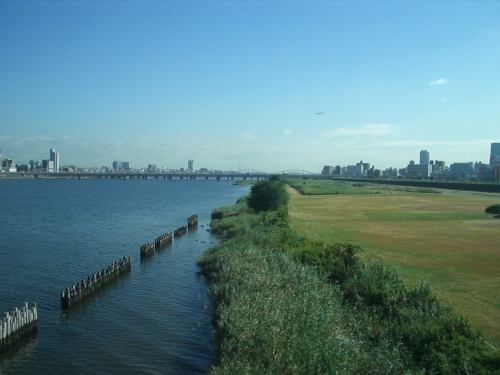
(268, 195)
(493, 209)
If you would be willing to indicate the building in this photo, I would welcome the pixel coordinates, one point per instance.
(121, 165)
(418, 170)
(1, 160)
(8, 165)
(190, 165)
(424, 157)
(438, 166)
(48, 165)
(54, 157)
(495, 155)
(462, 171)
(327, 169)
(355, 170)
(488, 174)
(366, 166)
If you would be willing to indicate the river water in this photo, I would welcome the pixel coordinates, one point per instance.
(154, 320)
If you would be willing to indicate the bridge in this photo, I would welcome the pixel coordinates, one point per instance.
(247, 174)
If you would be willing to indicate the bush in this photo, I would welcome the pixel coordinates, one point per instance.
(268, 195)
(493, 209)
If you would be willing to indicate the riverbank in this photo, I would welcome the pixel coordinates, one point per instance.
(286, 304)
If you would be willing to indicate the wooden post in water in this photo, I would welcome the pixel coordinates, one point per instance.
(180, 231)
(164, 240)
(193, 221)
(77, 293)
(18, 325)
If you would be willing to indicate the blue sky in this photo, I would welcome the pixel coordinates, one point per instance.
(236, 84)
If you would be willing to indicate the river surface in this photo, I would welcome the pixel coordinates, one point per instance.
(154, 320)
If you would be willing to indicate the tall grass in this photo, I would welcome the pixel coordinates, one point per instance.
(287, 305)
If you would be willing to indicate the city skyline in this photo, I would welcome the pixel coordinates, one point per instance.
(237, 85)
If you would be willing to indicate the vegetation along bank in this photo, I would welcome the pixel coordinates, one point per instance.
(285, 304)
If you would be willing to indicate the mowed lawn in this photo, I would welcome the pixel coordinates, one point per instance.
(446, 239)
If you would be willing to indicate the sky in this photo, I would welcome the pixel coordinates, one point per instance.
(236, 85)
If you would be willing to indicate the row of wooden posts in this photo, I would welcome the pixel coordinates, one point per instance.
(77, 293)
(17, 325)
(165, 239)
(24, 322)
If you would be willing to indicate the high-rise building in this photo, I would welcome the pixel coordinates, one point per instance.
(424, 157)
(327, 169)
(495, 155)
(54, 156)
(1, 160)
(191, 165)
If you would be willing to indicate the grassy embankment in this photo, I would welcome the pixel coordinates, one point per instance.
(446, 238)
(284, 304)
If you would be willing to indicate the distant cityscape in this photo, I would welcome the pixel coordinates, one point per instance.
(427, 169)
(424, 169)
(52, 165)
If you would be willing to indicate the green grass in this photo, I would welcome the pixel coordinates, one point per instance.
(336, 187)
(445, 239)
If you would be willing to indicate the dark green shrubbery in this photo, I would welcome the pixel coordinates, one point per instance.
(493, 209)
(268, 195)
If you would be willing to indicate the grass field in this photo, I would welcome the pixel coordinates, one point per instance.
(445, 238)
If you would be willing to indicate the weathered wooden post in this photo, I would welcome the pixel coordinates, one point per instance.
(18, 325)
(192, 221)
(85, 288)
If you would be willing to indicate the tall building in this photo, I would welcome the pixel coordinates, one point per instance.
(121, 165)
(327, 169)
(1, 160)
(54, 156)
(190, 165)
(424, 157)
(495, 155)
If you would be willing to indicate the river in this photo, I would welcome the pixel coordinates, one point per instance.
(154, 320)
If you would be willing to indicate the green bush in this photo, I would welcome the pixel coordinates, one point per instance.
(493, 209)
(268, 195)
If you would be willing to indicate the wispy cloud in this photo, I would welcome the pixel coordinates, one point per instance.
(440, 81)
(247, 136)
(286, 133)
(367, 129)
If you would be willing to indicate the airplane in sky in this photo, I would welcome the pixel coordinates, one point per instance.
(318, 113)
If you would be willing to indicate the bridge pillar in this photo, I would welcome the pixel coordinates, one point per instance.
(218, 178)
(79, 177)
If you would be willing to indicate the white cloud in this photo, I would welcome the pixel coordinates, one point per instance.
(286, 133)
(440, 81)
(367, 129)
(247, 136)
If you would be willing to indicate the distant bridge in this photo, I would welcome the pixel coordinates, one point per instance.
(124, 175)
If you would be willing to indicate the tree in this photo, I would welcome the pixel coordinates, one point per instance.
(493, 209)
(268, 195)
